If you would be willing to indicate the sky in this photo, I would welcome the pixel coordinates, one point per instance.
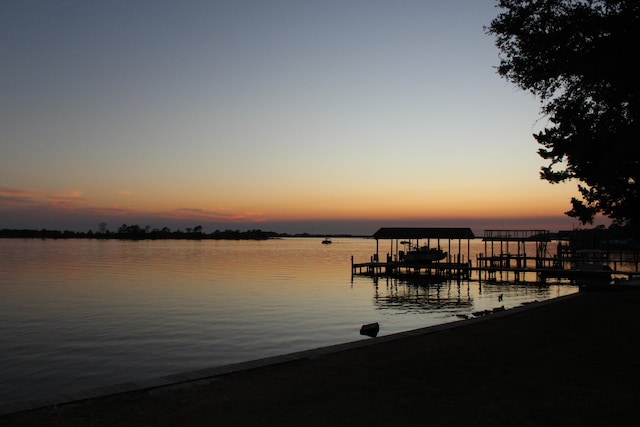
(281, 115)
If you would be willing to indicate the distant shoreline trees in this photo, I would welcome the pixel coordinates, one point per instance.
(135, 232)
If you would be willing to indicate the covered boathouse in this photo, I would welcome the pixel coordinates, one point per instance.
(412, 249)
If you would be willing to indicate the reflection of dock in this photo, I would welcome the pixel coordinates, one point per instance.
(422, 296)
(507, 252)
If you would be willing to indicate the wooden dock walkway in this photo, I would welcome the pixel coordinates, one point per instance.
(465, 270)
(377, 268)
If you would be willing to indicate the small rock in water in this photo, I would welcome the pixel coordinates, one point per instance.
(370, 330)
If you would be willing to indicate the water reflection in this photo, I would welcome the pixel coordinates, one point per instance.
(421, 295)
(459, 297)
(79, 314)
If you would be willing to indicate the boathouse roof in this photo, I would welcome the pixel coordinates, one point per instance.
(423, 233)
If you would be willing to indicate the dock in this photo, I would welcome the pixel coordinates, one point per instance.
(508, 253)
(397, 268)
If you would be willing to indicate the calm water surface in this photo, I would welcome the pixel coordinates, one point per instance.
(80, 314)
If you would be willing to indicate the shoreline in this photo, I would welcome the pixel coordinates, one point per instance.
(568, 361)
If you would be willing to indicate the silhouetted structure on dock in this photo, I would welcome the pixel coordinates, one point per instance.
(419, 252)
(506, 250)
(427, 250)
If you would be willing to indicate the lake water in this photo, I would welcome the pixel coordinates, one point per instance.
(80, 314)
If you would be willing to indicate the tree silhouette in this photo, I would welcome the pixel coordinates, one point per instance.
(135, 232)
(579, 57)
(102, 228)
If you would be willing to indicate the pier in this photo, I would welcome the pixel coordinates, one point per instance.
(515, 251)
(445, 253)
(420, 251)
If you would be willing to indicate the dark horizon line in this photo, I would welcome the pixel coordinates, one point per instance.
(138, 233)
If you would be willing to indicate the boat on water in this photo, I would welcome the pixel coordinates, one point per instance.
(629, 282)
(589, 275)
(422, 254)
(590, 269)
(326, 241)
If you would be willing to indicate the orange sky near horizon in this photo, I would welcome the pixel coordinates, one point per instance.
(400, 205)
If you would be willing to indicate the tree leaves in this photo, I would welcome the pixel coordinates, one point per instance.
(580, 59)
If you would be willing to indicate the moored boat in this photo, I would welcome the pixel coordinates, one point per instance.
(423, 254)
(591, 275)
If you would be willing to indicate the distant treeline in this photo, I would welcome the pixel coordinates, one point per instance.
(135, 232)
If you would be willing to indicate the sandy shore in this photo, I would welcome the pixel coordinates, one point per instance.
(571, 362)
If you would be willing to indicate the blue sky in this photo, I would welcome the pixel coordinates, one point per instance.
(320, 116)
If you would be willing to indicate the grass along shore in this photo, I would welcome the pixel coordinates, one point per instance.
(575, 361)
